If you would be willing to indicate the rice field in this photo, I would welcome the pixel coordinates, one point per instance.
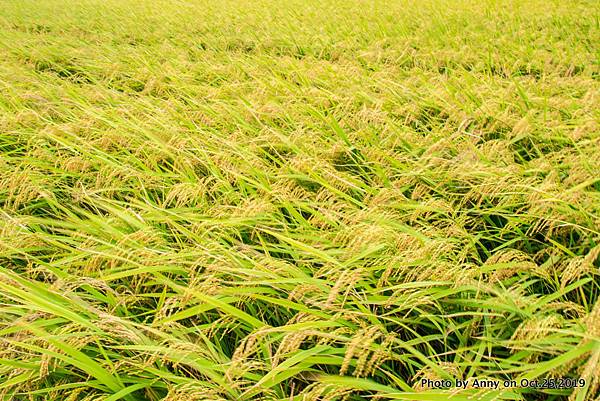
(299, 200)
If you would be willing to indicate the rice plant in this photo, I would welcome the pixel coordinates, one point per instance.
(299, 200)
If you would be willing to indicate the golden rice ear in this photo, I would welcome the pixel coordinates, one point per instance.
(193, 392)
(592, 321)
(360, 347)
(574, 269)
(508, 262)
(186, 194)
(537, 327)
(291, 342)
(22, 187)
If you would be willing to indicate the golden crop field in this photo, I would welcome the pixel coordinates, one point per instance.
(299, 200)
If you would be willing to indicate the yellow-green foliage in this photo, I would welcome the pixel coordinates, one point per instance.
(298, 200)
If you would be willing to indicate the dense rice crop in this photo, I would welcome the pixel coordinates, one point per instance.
(298, 200)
